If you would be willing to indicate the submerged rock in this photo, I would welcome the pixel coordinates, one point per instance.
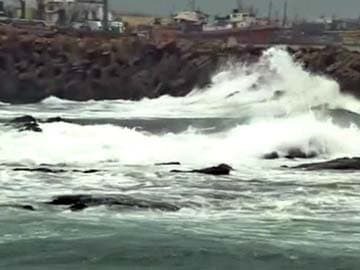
(44, 170)
(336, 164)
(168, 164)
(80, 202)
(55, 120)
(20, 206)
(27, 207)
(49, 170)
(222, 169)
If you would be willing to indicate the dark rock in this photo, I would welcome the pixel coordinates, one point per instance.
(48, 170)
(167, 164)
(71, 199)
(31, 127)
(336, 164)
(19, 206)
(25, 123)
(89, 171)
(222, 169)
(43, 170)
(55, 120)
(78, 207)
(79, 202)
(272, 155)
(293, 153)
(28, 207)
(24, 119)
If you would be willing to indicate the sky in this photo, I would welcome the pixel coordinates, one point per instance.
(305, 8)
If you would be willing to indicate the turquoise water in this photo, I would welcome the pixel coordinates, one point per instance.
(271, 219)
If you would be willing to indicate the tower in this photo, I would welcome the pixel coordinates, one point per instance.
(106, 15)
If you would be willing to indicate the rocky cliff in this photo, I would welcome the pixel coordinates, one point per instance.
(35, 66)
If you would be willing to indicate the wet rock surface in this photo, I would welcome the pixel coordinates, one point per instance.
(80, 202)
(336, 164)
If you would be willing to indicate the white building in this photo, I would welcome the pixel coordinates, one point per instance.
(242, 19)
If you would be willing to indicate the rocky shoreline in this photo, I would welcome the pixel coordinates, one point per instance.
(35, 66)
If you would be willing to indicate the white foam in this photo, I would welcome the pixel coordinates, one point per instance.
(69, 143)
(276, 95)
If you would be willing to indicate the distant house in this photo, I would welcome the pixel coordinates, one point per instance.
(189, 21)
(197, 17)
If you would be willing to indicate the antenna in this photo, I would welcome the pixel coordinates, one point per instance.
(252, 10)
(285, 13)
(240, 5)
(192, 5)
(270, 10)
(277, 15)
(172, 8)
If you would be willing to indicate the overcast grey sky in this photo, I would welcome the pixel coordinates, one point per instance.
(305, 8)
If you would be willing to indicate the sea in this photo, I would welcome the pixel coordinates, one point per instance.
(262, 216)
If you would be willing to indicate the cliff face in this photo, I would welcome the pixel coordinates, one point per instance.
(338, 63)
(83, 68)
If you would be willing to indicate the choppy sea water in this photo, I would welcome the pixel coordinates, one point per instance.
(259, 217)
